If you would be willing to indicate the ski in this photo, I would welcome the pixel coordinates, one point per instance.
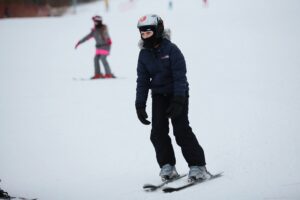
(17, 198)
(81, 79)
(195, 182)
(151, 187)
(89, 79)
(23, 198)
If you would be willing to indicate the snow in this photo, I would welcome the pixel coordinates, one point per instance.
(62, 139)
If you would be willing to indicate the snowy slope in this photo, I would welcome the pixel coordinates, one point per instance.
(62, 139)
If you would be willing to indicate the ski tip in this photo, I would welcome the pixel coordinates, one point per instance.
(149, 187)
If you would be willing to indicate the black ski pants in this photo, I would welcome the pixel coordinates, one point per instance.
(184, 136)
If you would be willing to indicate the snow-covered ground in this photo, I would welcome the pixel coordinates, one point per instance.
(62, 139)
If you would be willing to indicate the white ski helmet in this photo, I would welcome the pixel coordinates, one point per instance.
(151, 21)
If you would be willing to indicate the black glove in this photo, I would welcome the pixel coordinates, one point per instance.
(176, 106)
(142, 115)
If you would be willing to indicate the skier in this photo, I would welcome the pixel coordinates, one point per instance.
(103, 45)
(161, 67)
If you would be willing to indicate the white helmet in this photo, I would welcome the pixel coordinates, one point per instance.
(153, 21)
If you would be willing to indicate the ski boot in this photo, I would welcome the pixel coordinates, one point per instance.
(168, 172)
(97, 76)
(198, 172)
(109, 76)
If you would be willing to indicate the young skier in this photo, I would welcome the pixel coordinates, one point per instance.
(161, 67)
(103, 45)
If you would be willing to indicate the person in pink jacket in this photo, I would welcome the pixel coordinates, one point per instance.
(103, 45)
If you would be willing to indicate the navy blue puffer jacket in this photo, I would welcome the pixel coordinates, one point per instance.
(163, 70)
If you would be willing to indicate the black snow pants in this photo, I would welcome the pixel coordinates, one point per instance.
(184, 136)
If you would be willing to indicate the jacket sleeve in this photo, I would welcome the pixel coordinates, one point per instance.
(87, 37)
(143, 84)
(178, 67)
